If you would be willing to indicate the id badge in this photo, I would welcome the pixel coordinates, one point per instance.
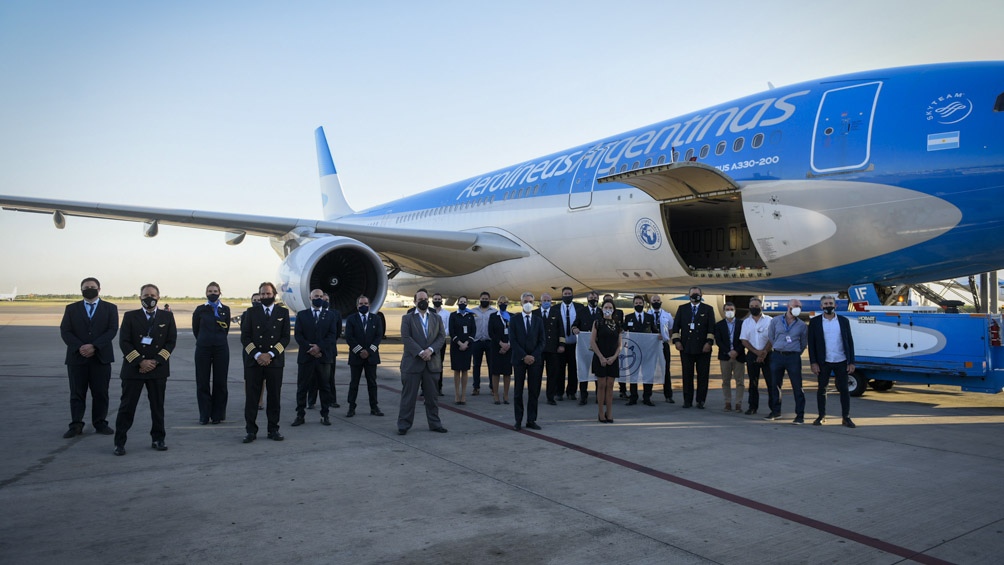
(146, 340)
(787, 338)
(505, 331)
(630, 324)
(465, 329)
(691, 325)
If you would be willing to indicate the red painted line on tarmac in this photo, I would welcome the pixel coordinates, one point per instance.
(712, 491)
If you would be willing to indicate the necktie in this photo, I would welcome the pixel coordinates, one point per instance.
(527, 324)
(693, 312)
(316, 315)
(90, 310)
(568, 320)
(268, 314)
(364, 322)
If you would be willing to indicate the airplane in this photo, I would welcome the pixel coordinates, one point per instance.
(11, 296)
(879, 177)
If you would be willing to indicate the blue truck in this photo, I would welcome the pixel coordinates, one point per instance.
(899, 345)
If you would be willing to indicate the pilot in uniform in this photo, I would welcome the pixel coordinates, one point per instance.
(693, 336)
(264, 335)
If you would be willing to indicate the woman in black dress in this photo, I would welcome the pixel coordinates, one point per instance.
(461, 338)
(606, 344)
(501, 357)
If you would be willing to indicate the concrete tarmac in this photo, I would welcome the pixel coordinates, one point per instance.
(918, 480)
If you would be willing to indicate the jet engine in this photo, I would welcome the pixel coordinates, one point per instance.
(340, 266)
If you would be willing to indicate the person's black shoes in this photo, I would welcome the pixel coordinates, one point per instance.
(159, 445)
(276, 436)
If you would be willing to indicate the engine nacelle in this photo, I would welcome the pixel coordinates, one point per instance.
(340, 266)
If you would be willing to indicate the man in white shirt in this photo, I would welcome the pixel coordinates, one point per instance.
(754, 338)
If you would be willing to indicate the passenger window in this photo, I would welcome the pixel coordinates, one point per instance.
(720, 148)
(648, 162)
(623, 167)
(705, 150)
(737, 145)
(757, 141)
(689, 154)
(662, 159)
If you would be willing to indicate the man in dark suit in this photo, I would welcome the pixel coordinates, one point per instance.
(731, 356)
(569, 313)
(693, 336)
(148, 337)
(265, 336)
(363, 332)
(587, 315)
(552, 340)
(88, 328)
(312, 393)
(831, 352)
(640, 321)
(316, 334)
(526, 339)
(422, 335)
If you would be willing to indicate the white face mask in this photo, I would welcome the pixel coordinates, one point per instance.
(528, 307)
(796, 311)
(729, 314)
(608, 312)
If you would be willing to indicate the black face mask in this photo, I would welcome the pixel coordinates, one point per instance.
(695, 297)
(639, 307)
(656, 305)
(212, 297)
(593, 303)
(503, 306)
(422, 305)
(89, 293)
(437, 303)
(317, 302)
(828, 309)
(267, 301)
(486, 303)
(566, 299)
(755, 311)
(149, 302)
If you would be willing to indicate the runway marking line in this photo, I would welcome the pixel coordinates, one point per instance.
(715, 492)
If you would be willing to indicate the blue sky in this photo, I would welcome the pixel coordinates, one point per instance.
(212, 105)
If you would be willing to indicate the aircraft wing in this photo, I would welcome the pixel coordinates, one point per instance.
(423, 252)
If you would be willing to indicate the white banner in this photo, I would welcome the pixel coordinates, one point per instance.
(639, 358)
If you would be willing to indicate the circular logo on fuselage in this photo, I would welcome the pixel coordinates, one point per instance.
(950, 108)
(648, 233)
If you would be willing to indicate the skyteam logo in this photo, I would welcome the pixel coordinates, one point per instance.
(648, 233)
(951, 108)
(631, 357)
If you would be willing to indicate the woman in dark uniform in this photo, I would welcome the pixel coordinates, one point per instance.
(461, 338)
(501, 357)
(210, 324)
(606, 343)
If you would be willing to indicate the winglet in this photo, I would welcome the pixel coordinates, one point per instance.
(332, 200)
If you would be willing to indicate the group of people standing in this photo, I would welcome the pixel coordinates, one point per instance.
(519, 347)
(148, 337)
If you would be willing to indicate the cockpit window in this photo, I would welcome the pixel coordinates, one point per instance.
(999, 105)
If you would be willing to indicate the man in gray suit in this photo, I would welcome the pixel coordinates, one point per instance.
(422, 335)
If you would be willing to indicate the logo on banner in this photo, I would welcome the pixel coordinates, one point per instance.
(631, 357)
(648, 233)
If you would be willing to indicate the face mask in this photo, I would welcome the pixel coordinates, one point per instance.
(267, 301)
(695, 297)
(639, 307)
(828, 309)
(462, 306)
(608, 312)
(212, 297)
(729, 314)
(796, 311)
(437, 304)
(486, 303)
(656, 305)
(422, 305)
(89, 293)
(318, 302)
(325, 303)
(546, 305)
(149, 302)
(528, 307)
(503, 306)
(364, 309)
(755, 311)
(593, 302)
(566, 299)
